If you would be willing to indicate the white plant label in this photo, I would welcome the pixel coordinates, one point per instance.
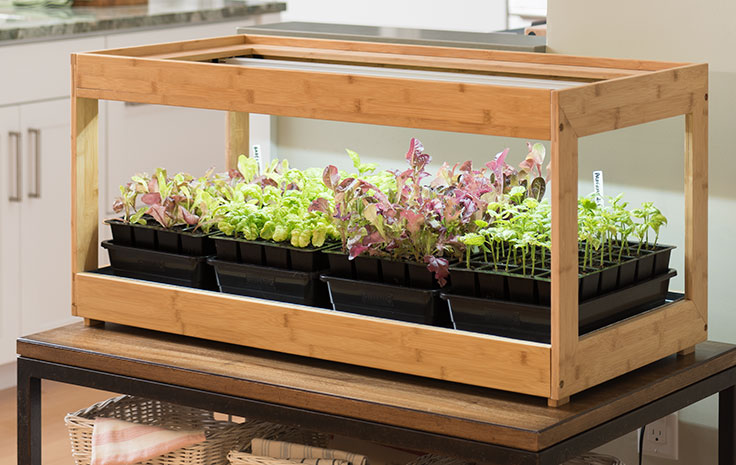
(257, 156)
(598, 187)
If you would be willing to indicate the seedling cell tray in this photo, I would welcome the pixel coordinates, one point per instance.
(297, 287)
(401, 303)
(271, 254)
(161, 267)
(176, 241)
(368, 268)
(532, 322)
(486, 280)
(380, 270)
(122, 233)
(339, 265)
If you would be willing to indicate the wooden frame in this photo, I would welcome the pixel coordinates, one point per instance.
(599, 95)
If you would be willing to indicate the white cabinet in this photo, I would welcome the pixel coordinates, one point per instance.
(35, 283)
(34, 232)
(10, 192)
(45, 244)
(35, 166)
(40, 71)
(35, 239)
(196, 31)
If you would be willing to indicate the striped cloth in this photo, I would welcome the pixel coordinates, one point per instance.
(117, 442)
(304, 454)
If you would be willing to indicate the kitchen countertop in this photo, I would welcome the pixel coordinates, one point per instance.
(37, 23)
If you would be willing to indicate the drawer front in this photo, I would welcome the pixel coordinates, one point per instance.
(40, 71)
(200, 31)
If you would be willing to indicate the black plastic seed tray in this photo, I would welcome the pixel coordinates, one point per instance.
(388, 301)
(272, 254)
(380, 270)
(532, 322)
(339, 265)
(264, 282)
(178, 240)
(497, 282)
(161, 267)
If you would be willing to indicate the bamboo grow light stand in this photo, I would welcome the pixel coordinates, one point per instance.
(585, 96)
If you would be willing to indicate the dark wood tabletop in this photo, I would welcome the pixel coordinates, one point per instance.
(507, 419)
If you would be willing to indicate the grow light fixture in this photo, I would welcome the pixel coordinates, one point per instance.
(373, 71)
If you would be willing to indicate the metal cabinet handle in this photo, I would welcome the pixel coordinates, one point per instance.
(35, 136)
(18, 196)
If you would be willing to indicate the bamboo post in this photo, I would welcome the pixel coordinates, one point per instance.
(696, 205)
(238, 127)
(564, 299)
(85, 216)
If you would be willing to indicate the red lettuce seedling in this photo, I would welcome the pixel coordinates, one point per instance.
(169, 201)
(412, 221)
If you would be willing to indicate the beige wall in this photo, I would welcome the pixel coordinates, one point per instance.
(647, 161)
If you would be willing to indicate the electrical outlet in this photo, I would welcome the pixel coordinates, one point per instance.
(661, 438)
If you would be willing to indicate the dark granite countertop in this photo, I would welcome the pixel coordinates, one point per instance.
(37, 23)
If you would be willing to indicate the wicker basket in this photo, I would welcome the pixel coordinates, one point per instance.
(310, 438)
(241, 456)
(244, 458)
(222, 436)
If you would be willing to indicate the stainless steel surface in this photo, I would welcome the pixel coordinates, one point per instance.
(404, 73)
(483, 40)
(16, 196)
(35, 136)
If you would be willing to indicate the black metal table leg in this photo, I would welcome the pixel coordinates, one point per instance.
(29, 417)
(727, 426)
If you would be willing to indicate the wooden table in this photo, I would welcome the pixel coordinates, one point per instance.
(473, 423)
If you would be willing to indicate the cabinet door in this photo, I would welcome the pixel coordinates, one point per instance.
(40, 71)
(10, 306)
(45, 217)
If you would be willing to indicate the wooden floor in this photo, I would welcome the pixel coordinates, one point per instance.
(58, 400)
